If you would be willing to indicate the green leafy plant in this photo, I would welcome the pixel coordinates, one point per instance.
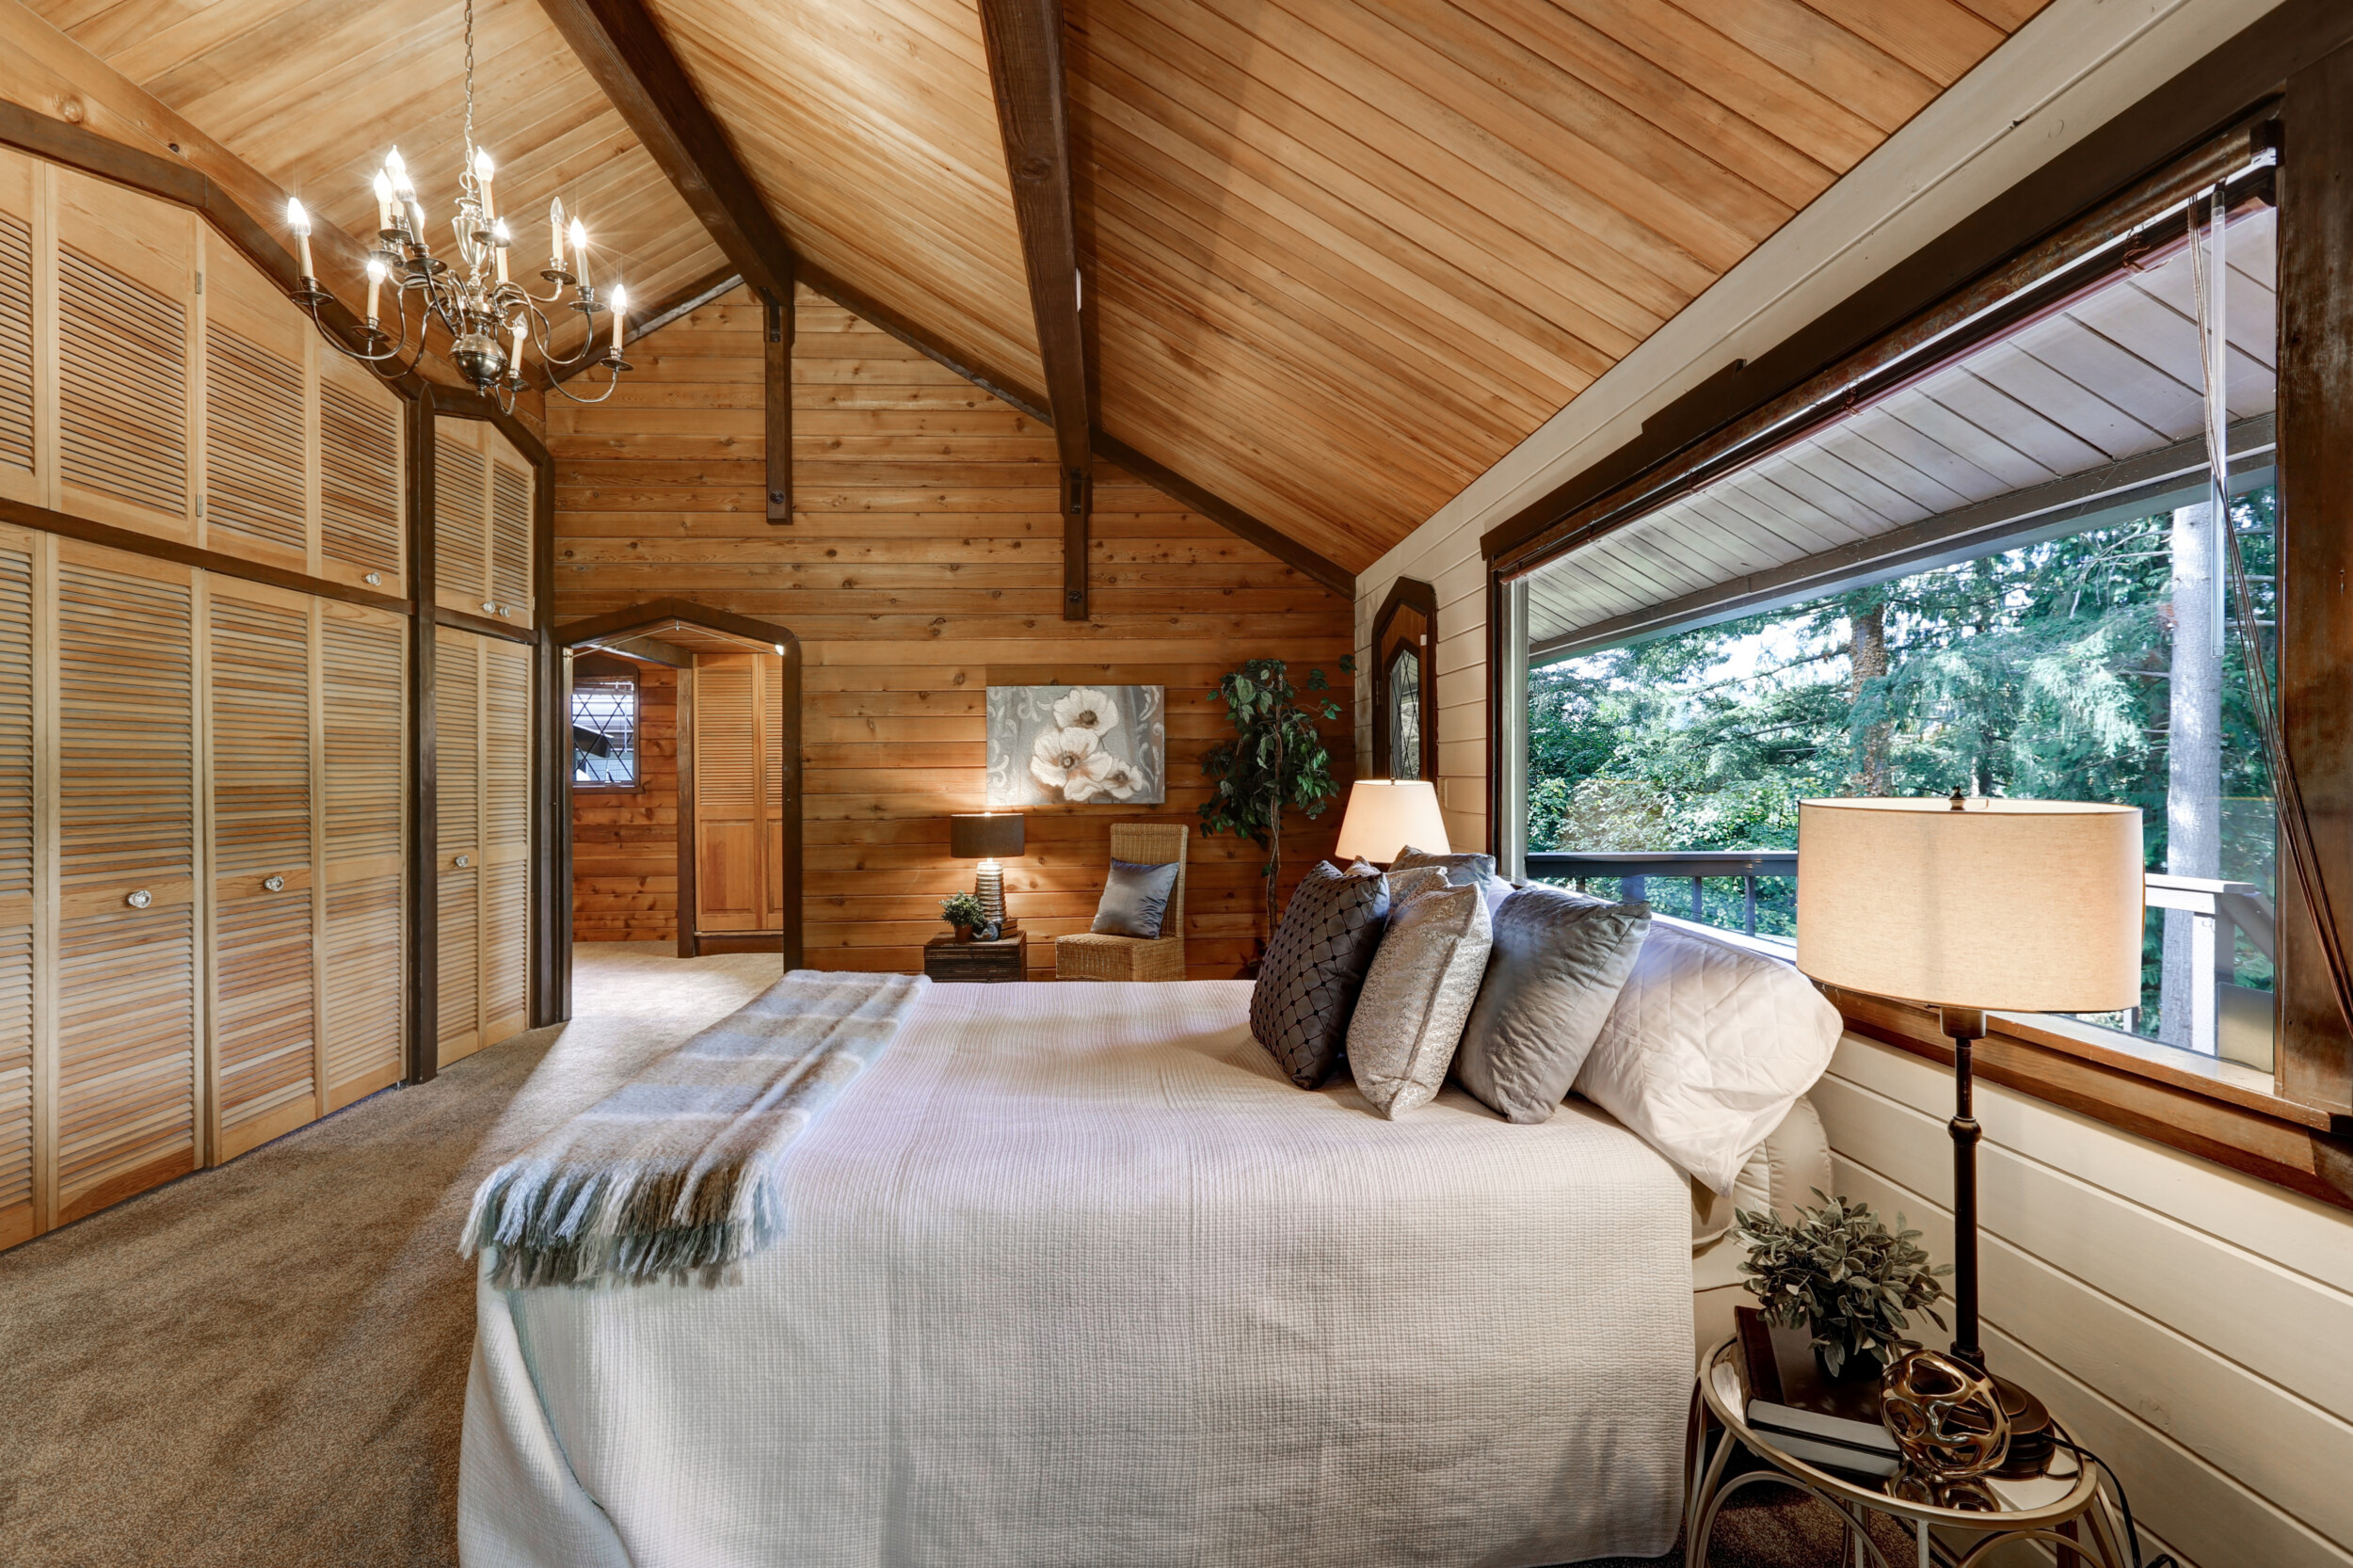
(1276, 760)
(1839, 1271)
(961, 909)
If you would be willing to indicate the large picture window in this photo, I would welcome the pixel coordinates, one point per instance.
(2002, 577)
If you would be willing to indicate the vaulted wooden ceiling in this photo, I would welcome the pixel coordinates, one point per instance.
(1341, 255)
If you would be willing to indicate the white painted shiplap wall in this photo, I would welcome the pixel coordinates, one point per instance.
(2191, 1325)
(2059, 77)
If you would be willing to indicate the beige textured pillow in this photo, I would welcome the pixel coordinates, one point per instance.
(1419, 990)
(1412, 884)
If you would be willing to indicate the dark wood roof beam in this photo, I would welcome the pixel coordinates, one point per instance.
(1025, 68)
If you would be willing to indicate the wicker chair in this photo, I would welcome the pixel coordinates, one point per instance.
(1088, 957)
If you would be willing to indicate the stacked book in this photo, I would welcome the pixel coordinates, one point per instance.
(1794, 1406)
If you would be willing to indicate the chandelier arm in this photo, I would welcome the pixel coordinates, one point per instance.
(613, 369)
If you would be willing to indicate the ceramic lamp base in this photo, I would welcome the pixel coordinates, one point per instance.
(988, 885)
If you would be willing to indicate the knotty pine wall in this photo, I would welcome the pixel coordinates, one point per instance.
(924, 564)
(625, 841)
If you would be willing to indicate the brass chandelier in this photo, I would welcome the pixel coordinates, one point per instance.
(483, 311)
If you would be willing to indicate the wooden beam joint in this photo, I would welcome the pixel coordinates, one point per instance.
(778, 400)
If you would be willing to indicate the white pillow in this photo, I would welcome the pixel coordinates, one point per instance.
(1706, 1050)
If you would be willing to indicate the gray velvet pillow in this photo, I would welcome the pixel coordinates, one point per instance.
(1416, 998)
(1556, 965)
(1135, 900)
(1313, 964)
(1462, 870)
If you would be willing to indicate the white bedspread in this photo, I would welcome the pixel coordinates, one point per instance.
(1076, 1276)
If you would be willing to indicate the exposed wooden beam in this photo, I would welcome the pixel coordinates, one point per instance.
(776, 400)
(684, 302)
(624, 50)
(1025, 69)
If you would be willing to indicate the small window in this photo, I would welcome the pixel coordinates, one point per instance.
(605, 734)
(1405, 715)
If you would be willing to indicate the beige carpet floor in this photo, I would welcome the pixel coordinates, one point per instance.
(264, 1366)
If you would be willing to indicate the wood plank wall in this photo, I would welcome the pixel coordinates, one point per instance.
(625, 841)
(923, 565)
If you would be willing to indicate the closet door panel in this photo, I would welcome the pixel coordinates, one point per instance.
(128, 860)
(727, 893)
(461, 518)
(21, 472)
(256, 499)
(127, 390)
(510, 538)
(505, 839)
(19, 1210)
(766, 700)
(457, 716)
(265, 1024)
(363, 676)
(361, 526)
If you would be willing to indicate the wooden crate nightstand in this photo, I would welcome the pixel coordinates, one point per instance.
(1006, 958)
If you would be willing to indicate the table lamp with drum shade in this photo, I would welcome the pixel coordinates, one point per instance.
(1384, 816)
(1971, 906)
(986, 836)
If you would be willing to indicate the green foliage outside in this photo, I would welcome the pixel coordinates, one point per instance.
(2041, 672)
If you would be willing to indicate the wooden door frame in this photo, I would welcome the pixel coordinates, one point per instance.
(647, 617)
(1406, 593)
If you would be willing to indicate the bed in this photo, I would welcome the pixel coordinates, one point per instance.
(1077, 1276)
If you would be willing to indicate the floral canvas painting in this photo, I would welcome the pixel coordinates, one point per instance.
(1077, 745)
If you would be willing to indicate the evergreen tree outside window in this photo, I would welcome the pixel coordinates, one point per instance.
(605, 734)
(2088, 666)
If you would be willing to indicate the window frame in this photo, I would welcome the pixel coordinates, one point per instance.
(637, 732)
(2291, 87)
(1406, 593)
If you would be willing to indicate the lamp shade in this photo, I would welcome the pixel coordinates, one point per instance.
(1385, 815)
(985, 834)
(2022, 905)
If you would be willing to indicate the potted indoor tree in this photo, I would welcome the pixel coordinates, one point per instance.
(1841, 1273)
(1276, 760)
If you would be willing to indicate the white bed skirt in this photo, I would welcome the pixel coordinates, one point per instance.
(1077, 1277)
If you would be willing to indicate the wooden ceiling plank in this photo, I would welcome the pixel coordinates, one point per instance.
(1790, 107)
(1641, 85)
(626, 54)
(1348, 48)
(1850, 443)
(1178, 212)
(1902, 443)
(1378, 251)
(1808, 44)
(1939, 38)
(1225, 105)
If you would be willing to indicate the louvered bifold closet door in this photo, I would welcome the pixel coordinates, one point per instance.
(727, 891)
(461, 518)
(766, 702)
(128, 862)
(20, 1214)
(264, 928)
(505, 839)
(360, 529)
(126, 357)
(363, 717)
(457, 797)
(21, 476)
(510, 539)
(258, 454)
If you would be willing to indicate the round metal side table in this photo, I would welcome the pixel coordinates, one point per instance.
(2058, 1511)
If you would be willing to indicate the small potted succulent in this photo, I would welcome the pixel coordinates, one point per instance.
(1841, 1273)
(963, 912)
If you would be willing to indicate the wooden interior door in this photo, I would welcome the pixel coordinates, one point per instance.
(19, 1214)
(731, 893)
(128, 863)
(362, 723)
(457, 852)
(262, 917)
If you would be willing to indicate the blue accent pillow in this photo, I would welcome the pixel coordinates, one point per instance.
(1135, 900)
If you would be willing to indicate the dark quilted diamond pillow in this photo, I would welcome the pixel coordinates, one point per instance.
(1313, 968)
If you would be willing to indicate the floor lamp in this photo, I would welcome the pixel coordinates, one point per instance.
(1971, 906)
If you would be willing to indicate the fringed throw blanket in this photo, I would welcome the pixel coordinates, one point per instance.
(674, 1175)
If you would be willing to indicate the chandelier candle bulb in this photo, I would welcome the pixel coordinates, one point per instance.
(516, 369)
(500, 240)
(383, 202)
(620, 308)
(555, 233)
(580, 254)
(299, 221)
(376, 282)
(482, 169)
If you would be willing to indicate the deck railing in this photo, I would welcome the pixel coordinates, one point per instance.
(2227, 1020)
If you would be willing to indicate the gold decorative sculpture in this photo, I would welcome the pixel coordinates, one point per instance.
(1948, 1420)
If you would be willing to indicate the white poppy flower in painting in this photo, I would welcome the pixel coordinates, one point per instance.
(1060, 758)
(1086, 708)
(1116, 778)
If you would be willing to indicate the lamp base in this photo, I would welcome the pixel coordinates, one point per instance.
(2030, 1437)
(989, 885)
